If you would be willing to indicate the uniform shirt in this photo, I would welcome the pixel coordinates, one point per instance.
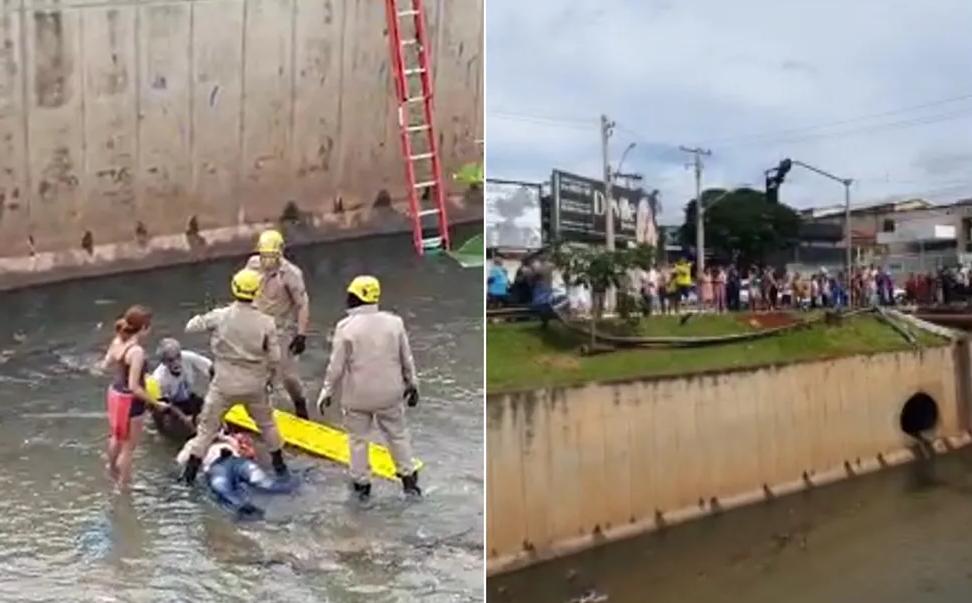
(178, 388)
(245, 345)
(282, 293)
(371, 360)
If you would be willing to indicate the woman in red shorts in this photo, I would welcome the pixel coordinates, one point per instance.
(126, 395)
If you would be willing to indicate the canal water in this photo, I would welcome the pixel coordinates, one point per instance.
(67, 537)
(897, 536)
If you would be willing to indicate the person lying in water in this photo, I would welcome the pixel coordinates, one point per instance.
(229, 469)
(179, 374)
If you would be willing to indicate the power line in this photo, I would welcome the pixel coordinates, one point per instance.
(850, 120)
(871, 129)
(545, 120)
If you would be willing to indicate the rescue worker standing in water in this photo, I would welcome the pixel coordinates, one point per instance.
(247, 353)
(372, 371)
(283, 297)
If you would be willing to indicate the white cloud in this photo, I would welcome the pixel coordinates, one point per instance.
(723, 73)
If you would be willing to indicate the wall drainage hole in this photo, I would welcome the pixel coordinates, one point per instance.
(920, 414)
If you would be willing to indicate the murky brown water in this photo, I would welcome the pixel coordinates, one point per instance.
(65, 537)
(898, 536)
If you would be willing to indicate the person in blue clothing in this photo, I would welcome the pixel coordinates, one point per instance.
(545, 302)
(230, 472)
(497, 285)
(838, 292)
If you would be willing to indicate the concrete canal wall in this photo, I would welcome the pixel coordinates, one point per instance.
(135, 132)
(571, 468)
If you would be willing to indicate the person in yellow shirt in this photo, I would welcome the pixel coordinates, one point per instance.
(683, 278)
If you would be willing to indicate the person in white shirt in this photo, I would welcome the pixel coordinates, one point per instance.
(650, 287)
(178, 374)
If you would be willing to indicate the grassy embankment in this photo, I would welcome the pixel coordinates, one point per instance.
(525, 356)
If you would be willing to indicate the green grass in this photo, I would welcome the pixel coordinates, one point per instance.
(525, 356)
(664, 326)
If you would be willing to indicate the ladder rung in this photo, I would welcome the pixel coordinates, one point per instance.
(428, 212)
(432, 242)
(421, 156)
(426, 184)
(415, 99)
(414, 71)
(411, 42)
(408, 13)
(420, 128)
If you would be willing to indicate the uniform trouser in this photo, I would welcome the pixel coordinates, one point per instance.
(391, 423)
(288, 372)
(215, 407)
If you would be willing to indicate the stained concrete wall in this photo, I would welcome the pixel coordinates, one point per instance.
(570, 468)
(126, 120)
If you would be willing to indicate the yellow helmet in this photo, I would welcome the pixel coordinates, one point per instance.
(365, 288)
(246, 284)
(271, 241)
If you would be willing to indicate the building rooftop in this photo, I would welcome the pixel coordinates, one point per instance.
(872, 208)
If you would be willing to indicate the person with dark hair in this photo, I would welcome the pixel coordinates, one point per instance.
(371, 366)
(521, 289)
(127, 397)
(733, 286)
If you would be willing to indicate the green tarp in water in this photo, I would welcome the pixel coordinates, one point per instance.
(471, 254)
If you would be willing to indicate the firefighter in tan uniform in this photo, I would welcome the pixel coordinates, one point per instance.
(372, 373)
(283, 297)
(247, 353)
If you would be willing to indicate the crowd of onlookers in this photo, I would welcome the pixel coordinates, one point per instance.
(945, 286)
(727, 288)
(670, 288)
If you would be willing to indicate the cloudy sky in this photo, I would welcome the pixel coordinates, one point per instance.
(875, 90)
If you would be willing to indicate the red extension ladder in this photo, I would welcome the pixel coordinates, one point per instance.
(413, 88)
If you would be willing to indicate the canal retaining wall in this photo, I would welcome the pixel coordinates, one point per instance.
(134, 133)
(574, 467)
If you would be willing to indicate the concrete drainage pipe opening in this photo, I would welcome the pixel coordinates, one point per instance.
(920, 414)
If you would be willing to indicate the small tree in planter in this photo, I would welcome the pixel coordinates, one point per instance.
(643, 257)
(595, 268)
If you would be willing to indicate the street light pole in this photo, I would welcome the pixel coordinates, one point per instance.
(848, 260)
(624, 156)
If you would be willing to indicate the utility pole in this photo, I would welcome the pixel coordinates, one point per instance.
(606, 127)
(848, 260)
(699, 210)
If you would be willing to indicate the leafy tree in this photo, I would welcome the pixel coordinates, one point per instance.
(470, 174)
(596, 268)
(742, 226)
(642, 256)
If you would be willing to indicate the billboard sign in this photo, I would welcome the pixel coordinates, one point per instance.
(578, 212)
(512, 214)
